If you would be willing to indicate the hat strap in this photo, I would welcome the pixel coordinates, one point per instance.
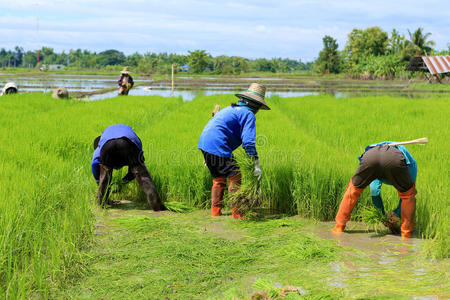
(255, 93)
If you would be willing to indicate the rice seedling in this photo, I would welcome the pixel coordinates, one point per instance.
(248, 197)
(373, 218)
(307, 148)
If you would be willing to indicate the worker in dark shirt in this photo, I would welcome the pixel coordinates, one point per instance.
(125, 81)
(119, 146)
(388, 163)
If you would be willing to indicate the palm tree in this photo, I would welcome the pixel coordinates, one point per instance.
(419, 40)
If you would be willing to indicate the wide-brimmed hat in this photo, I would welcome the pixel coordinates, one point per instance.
(255, 93)
(125, 70)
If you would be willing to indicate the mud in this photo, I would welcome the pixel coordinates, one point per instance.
(383, 258)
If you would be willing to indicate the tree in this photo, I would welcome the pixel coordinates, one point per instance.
(419, 40)
(198, 60)
(362, 43)
(329, 60)
(110, 58)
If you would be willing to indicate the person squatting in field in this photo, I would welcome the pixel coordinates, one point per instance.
(125, 81)
(119, 146)
(225, 132)
(383, 163)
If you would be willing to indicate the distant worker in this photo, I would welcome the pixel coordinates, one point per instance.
(119, 146)
(60, 93)
(125, 81)
(387, 163)
(226, 131)
(9, 88)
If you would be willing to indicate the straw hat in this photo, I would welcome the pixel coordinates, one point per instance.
(125, 70)
(9, 88)
(60, 93)
(255, 93)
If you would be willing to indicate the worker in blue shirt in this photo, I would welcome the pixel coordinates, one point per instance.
(119, 146)
(383, 163)
(224, 133)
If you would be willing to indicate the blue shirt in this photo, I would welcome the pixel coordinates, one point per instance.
(112, 132)
(375, 186)
(227, 130)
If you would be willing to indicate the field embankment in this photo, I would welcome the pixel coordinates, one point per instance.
(308, 148)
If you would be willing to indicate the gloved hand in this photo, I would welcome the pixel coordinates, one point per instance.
(257, 172)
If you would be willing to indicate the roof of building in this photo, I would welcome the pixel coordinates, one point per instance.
(432, 64)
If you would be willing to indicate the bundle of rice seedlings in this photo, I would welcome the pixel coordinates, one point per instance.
(248, 197)
(373, 218)
(178, 207)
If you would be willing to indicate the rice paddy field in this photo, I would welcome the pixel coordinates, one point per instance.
(51, 246)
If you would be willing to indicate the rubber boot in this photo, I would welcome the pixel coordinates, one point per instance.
(233, 186)
(234, 183)
(348, 202)
(407, 211)
(218, 187)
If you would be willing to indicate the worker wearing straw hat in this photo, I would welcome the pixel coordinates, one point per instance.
(119, 146)
(226, 131)
(125, 81)
(386, 163)
(9, 88)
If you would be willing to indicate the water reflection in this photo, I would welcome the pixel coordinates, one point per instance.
(191, 94)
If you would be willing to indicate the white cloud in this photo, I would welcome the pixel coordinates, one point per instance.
(252, 28)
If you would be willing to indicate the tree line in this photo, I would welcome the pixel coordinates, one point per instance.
(199, 61)
(368, 53)
(373, 53)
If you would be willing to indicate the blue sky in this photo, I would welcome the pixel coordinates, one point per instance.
(289, 28)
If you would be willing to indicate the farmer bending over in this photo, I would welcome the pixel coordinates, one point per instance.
(383, 163)
(119, 146)
(125, 81)
(227, 130)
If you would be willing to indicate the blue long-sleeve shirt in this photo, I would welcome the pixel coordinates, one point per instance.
(227, 130)
(112, 132)
(375, 186)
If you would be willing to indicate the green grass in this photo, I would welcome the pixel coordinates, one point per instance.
(308, 149)
(193, 256)
(436, 87)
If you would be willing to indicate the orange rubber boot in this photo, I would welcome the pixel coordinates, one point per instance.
(237, 214)
(218, 187)
(408, 210)
(234, 183)
(348, 202)
(233, 186)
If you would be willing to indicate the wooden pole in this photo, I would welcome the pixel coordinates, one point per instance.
(173, 86)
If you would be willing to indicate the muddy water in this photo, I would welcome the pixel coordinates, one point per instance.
(384, 259)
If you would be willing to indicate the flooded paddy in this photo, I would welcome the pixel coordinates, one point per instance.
(98, 87)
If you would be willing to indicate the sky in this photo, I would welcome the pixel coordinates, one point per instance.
(252, 29)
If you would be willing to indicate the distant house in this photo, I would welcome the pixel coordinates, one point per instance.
(185, 68)
(56, 67)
